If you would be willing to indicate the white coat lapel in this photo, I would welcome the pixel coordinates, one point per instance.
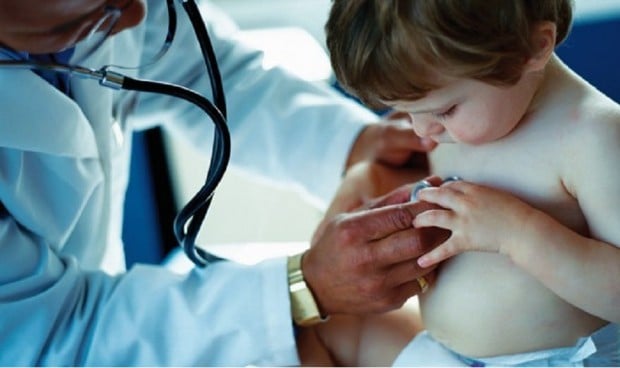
(51, 123)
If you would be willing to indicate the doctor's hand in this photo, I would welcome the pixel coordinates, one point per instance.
(391, 142)
(368, 180)
(365, 261)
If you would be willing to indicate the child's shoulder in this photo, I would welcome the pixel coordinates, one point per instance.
(590, 112)
(600, 114)
(595, 142)
(582, 102)
(590, 144)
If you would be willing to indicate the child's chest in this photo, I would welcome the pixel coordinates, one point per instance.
(531, 173)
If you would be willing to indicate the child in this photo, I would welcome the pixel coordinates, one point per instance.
(531, 272)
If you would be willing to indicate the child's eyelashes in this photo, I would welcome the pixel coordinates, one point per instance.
(445, 113)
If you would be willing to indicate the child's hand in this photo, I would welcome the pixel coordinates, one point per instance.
(480, 219)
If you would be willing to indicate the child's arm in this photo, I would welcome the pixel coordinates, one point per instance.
(585, 272)
(588, 270)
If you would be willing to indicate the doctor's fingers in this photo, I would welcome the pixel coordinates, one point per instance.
(397, 276)
(396, 196)
(405, 246)
(413, 288)
(398, 130)
(390, 142)
(401, 194)
(398, 143)
(390, 294)
(378, 223)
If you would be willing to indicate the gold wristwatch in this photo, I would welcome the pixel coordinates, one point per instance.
(303, 306)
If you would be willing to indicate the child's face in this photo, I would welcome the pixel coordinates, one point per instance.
(468, 111)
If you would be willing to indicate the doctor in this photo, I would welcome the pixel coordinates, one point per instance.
(65, 297)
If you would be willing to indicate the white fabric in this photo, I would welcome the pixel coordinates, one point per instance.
(602, 348)
(65, 298)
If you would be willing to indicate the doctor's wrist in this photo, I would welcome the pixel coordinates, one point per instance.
(304, 307)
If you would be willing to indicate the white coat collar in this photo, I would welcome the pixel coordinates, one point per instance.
(37, 117)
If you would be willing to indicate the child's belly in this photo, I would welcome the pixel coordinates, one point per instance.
(482, 305)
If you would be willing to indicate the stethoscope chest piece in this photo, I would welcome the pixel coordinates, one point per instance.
(413, 197)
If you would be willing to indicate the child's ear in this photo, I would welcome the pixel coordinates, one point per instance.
(543, 42)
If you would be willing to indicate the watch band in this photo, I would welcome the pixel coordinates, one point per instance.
(304, 309)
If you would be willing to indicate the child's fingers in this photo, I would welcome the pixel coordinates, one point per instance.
(444, 196)
(442, 252)
(434, 218)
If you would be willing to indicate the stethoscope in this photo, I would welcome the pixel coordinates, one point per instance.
(422, 184)
(188, 221)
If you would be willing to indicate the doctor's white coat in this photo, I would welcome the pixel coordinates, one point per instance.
(65, 298)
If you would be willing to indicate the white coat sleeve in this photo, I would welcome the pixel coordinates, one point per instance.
(54, 313)
(283, 128)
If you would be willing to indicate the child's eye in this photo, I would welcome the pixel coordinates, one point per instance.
(446, 113)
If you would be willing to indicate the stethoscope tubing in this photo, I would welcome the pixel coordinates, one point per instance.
(189, 220)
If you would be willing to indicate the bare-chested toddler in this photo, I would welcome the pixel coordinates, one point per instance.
(530, 274)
